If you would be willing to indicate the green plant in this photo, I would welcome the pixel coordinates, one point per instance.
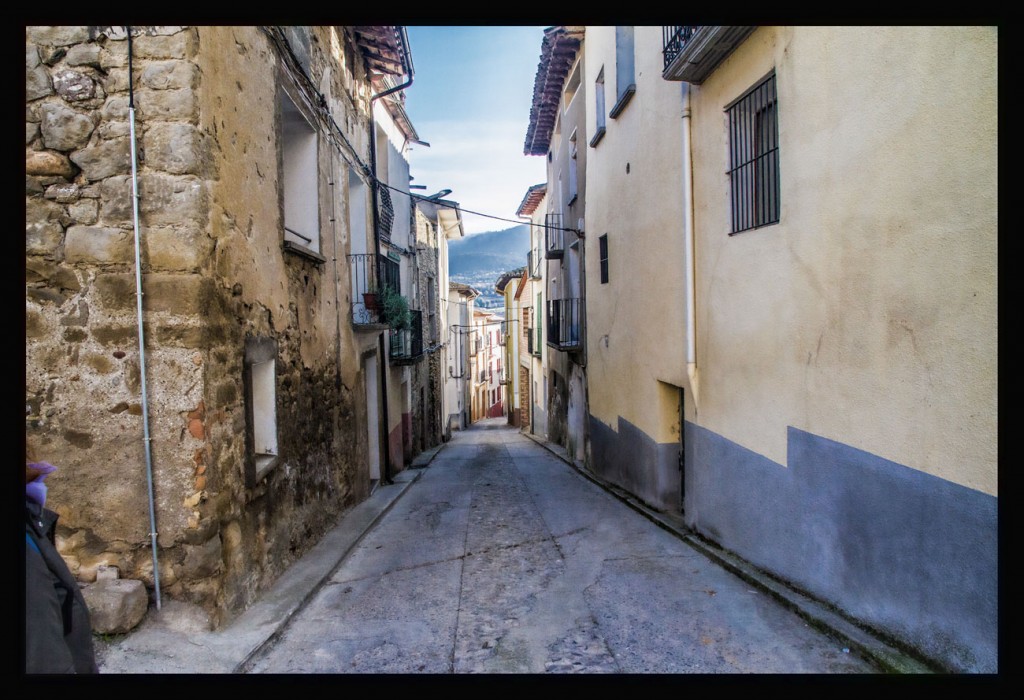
(394, 309)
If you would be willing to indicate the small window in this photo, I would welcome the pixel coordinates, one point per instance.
(599, 108)
(299, 174)
(625, 75)
(754, 157)
(572, 85)
(602, 244)
(573, 169)
(261, 396)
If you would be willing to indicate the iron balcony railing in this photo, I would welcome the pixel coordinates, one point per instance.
(365, 291)
(673, 39)
(554, 236)
(365, 269)
(691, 53)
(407, 344)
(565, 330)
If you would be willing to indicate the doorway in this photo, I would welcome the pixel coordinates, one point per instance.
(370, 380)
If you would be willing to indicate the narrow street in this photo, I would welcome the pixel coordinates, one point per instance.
(502, 559)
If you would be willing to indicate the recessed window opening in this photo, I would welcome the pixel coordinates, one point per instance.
(572, 85)
(599, 108)
(754, 157)
(301, 196)
(602, 244)
(264, 409)
(573, 170)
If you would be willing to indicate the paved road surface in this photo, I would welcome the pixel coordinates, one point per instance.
(501, 558)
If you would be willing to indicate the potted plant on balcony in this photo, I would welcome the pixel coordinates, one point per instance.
(394, 309)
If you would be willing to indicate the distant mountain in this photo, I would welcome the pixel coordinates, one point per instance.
(493, 251)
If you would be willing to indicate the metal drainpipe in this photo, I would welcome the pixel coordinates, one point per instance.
(376, 241)
(142, 346)
(334, 240)
(380, 280)
(691, 286)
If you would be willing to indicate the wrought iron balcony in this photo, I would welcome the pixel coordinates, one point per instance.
(365, 290)
(554, 236)
(565, 328)
(691, 53)
(407, 344)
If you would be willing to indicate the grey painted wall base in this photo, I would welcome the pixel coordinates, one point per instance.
(631, 459)
(910, 554)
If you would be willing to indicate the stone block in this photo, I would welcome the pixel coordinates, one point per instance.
(116, 606)
(84, 212)
(65, 129)
(179, 44)
(169, 75)
(171, 199)
(98, 244)
(105, 159)
(31, 132)
(175, 148)
(115, 292)
(201, 560)
(73, 85)
(84, 55)
(37, 83)
(57, 36)
(166, 104)
(64, 193)
(48, 163)
(43, 230)
(186, 295)
(171, 249)
(115, 195)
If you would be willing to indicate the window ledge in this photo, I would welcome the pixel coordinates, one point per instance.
(303, 251)
(571, 200)
(624, 99)
(264, 464)
(598, 135)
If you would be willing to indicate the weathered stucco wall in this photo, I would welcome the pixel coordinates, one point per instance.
(845, 432)
(876, 291)
(215, 275)
(635, 322)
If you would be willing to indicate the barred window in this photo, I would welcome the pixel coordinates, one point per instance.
(754, 157)
(602, 244)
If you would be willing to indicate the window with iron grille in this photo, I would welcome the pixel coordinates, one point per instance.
(602, 244)
(754, 157)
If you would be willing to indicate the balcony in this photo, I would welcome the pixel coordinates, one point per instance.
(533, 259)
(692, 53)
(554, 236)
(565, 330)
(365, 298)
(407, 344)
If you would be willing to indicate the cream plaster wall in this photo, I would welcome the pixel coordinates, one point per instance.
(867, 315)
(635, 322)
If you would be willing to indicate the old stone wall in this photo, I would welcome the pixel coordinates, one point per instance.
(214, 273)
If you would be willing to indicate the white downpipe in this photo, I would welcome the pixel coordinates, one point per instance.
(142, 346)
(691, 286)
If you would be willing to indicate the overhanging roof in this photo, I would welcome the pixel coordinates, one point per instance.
(385, 48)
(557, 53)
(532, 199)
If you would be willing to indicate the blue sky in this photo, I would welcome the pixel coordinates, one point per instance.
(470, 100)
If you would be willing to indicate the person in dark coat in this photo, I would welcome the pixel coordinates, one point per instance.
(58, 633)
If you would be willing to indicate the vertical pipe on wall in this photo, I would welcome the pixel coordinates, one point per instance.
(142, 345)
(688, 237)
